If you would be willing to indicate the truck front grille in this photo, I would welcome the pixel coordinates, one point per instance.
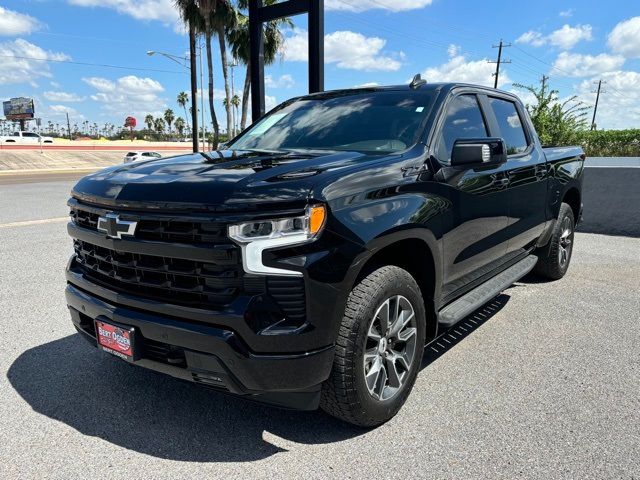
(211, 284)
(162, 230)
(184, 282)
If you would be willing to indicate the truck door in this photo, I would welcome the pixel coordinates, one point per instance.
(474, 227)
(527, 173)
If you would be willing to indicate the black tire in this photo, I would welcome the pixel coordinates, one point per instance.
(345, 394)
(550, 258)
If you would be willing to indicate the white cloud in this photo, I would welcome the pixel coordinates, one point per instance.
(346, 49)
(25, 70)
(15, 23)
(60, 112)
(129, 95)
(63, 97)
(566, 13)
(63, 109)
(458, 69)
(566, 37)
(362, 5)
(285, 81)
(625, 38)
(619, 107)
(577, 65)
(162, 10)
(269, 102)
(100, 84)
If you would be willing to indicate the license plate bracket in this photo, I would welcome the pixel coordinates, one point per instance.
(118, 340)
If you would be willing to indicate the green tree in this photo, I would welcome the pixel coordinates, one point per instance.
(158, 125)
(239, 41)
(168, 117)
(179, 124)
(557, 122)
(183, 99)
(149, 121)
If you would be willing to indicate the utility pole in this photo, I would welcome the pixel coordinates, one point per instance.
(544, 82)
(499, 61)
(595, 108)
(68, 126)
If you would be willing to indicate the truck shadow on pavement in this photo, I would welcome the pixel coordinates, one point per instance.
(70, 381)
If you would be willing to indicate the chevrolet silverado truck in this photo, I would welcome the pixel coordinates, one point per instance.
(309, 263)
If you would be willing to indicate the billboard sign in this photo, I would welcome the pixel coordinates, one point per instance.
(130, 122)
(21, 108)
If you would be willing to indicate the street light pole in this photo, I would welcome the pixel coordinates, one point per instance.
(194, 87)
(194, 81)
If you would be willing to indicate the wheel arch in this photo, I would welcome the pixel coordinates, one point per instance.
(415, 251)
(572, 198)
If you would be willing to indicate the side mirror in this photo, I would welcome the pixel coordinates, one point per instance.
(478, 152)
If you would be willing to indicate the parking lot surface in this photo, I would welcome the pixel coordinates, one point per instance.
(544, 382)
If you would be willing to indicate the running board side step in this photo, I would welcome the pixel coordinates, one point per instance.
(457, 310)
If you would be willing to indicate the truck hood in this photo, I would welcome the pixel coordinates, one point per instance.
(221, 180)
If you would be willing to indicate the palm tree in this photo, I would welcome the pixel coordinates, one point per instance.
(149, 121)
(158, 125)
(179, 124)
(223, 19)
(168, 117)
(239, 40)
(183, 99)
(235, 101)
(198, 14)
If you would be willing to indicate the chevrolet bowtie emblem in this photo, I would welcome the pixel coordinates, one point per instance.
(114, 227)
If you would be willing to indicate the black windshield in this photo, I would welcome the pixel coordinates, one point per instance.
(368, 121)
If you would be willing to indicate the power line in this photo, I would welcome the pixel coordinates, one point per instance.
(122, 67)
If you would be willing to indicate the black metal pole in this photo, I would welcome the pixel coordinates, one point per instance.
(316, 46)
(256, 59)
(595, 108)
(194, 87)
(495, 82)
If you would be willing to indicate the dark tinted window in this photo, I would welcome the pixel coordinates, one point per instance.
(29, 134)
(510, 125)
(463, 120)
(360, 120)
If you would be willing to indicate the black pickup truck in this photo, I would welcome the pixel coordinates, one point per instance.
(309, 262)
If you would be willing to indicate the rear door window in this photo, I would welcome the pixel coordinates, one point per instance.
(510, 125)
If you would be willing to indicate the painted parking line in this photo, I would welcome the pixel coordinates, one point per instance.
(26, 223)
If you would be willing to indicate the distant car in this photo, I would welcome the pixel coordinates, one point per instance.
(133, 156)
(26, 138)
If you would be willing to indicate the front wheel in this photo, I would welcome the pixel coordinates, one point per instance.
(379, 349)
(554, 259)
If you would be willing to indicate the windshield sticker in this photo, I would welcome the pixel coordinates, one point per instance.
(267, 123)
(420, 109)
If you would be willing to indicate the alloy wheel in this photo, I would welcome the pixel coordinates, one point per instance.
(390, 347)
(566, 241)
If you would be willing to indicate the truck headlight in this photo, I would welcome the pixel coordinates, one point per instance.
(256, 237)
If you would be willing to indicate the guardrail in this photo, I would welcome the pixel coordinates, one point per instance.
(611, 196)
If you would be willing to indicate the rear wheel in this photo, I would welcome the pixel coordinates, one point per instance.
(554, 259)
(378, 350)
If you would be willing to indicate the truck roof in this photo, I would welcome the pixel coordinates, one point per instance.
(446, 86)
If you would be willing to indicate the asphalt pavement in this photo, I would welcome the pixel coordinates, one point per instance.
(544, 382)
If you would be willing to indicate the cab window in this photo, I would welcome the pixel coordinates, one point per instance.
(510, 125)
(463, 119)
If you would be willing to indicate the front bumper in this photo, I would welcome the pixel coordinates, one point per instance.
(209, 355)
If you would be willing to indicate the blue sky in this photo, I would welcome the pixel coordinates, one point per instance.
(368, 41)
